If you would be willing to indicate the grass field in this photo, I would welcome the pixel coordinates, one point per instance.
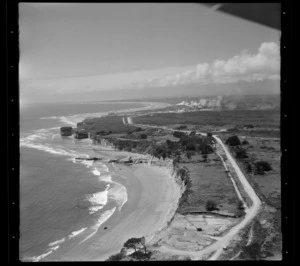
(112, 123)
(209, 182)
(258, 118)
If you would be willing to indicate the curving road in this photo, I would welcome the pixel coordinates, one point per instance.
(251, 212)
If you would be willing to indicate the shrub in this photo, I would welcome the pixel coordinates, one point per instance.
(211, 205)
(245, 142)
(241, 154)
(261, 167)
(233, 141)
(178, 134)
(240, 205)
(181, 127)
(239, 213)
(189, 154)
(206, 149)
(138, 129)
(248, 167)
(139, 255)
(143, 136)
(193, 133)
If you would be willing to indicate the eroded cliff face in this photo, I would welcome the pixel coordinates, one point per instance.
(106, 143)
(180, 177)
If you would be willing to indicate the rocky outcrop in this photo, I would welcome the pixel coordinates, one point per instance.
(66, 131)
(81, 134)
(88, 159)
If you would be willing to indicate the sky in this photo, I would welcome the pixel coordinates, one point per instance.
(69, 49)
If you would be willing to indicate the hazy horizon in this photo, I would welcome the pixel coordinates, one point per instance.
(73, 52)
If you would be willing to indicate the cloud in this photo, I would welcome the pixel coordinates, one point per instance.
(265, 64)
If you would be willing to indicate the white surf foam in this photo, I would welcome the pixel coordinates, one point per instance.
(119, 194)
(88, 164)
(38, 258)
(98, 200)
(96, 172)
(57, 242)
(54, 248)
(76, 233)
(102, 219)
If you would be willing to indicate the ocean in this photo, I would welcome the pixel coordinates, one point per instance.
(63, 201)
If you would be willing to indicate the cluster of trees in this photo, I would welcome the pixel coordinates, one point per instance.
(129, 145)
(135, 136)
(233, 141)
(160, 151)
(186, 145)
(132, 243)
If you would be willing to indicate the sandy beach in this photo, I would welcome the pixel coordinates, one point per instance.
(152, 200)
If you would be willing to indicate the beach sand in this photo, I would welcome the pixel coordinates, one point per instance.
(152, 200)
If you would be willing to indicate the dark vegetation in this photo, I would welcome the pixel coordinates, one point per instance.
(261, 167)
(135, 243)
(245, 142)
(116, 257)
(111, 124)
(233, 141)
(241, 153)
(211, 205)
(140, 255)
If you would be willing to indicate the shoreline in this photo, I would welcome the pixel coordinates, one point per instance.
(153, 197)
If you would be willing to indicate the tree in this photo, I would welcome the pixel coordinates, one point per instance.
(132, 243)
(206, 149)
(211, 205)
(233, 141)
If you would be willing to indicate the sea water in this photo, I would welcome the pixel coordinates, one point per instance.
(63, 201)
